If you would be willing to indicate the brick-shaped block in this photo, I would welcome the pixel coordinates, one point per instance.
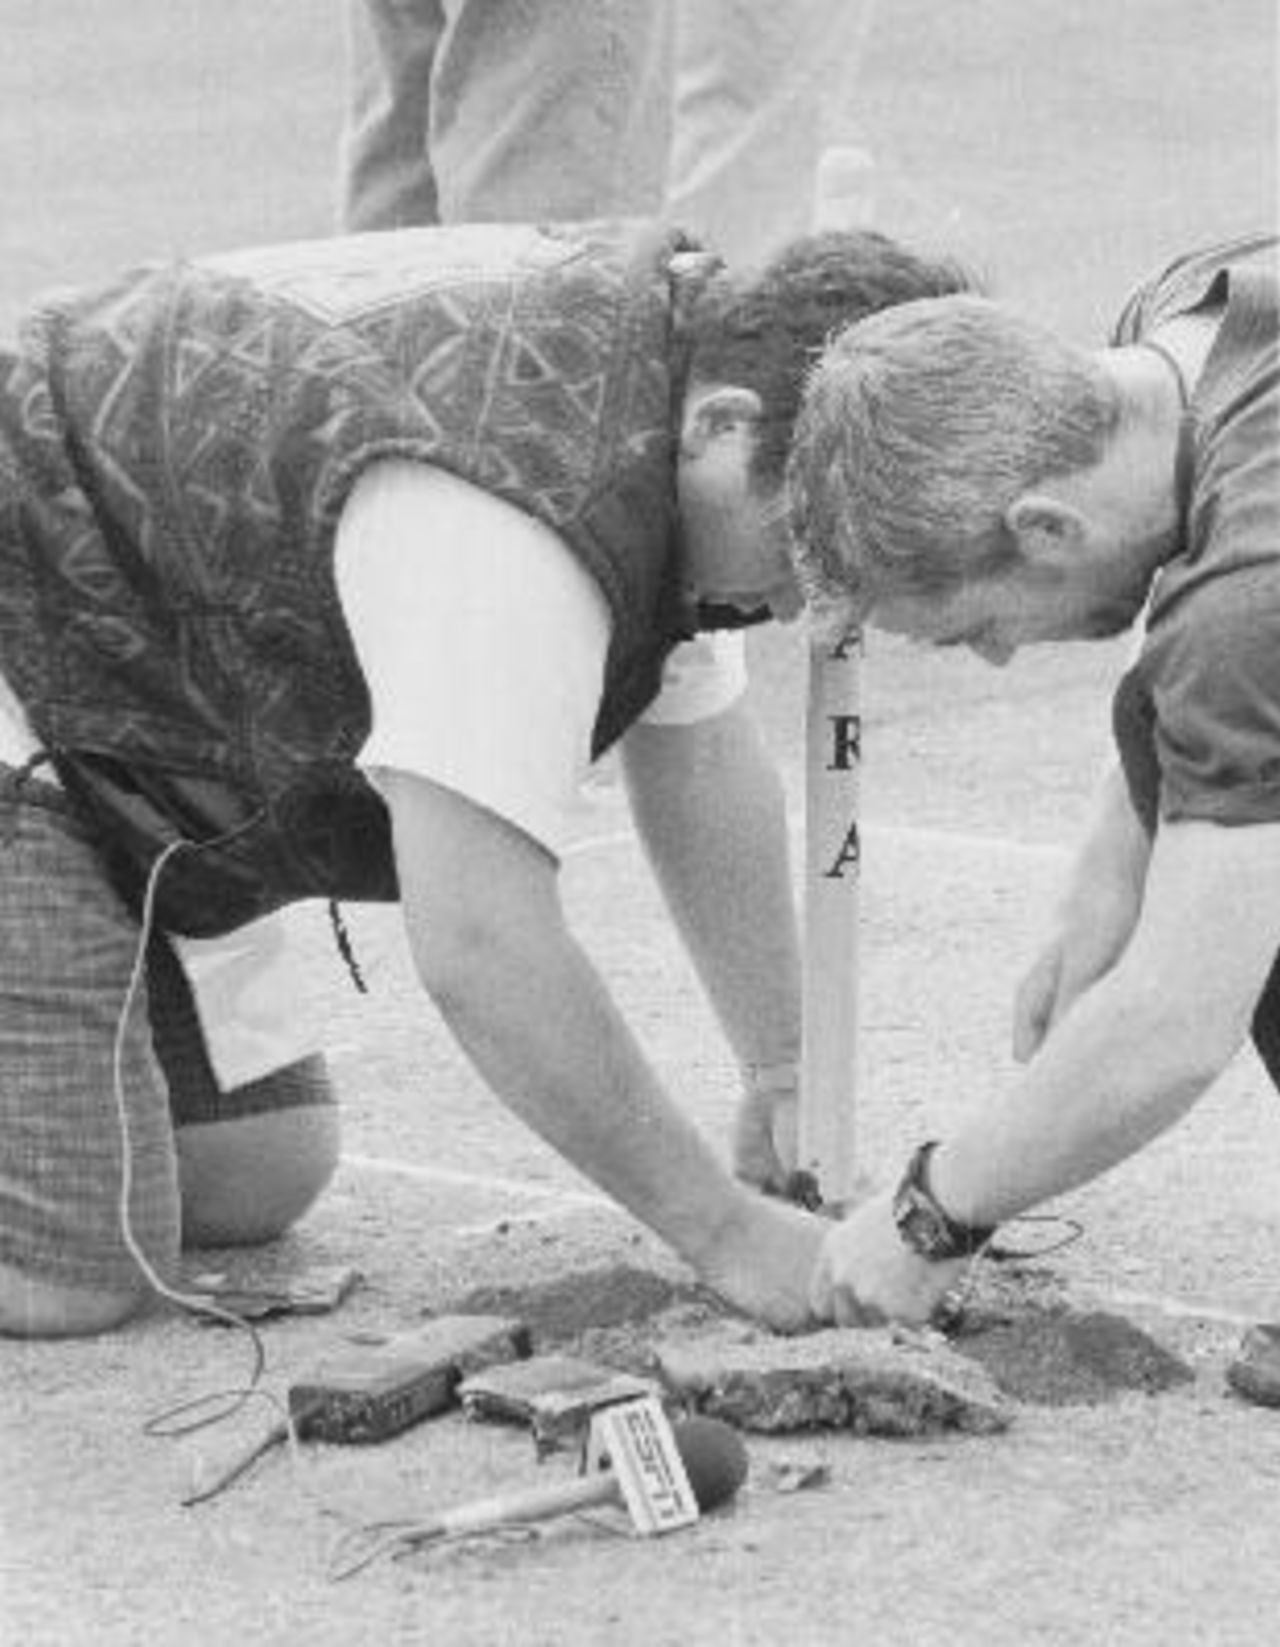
(871, 1381)
(374, 1391)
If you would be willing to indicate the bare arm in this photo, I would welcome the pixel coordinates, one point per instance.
(1128, 1059)
(710, 809)
(490, 944)
(1137, 1050)
(1095, 917)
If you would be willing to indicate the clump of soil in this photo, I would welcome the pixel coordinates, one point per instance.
(1063, 1358)
(562, 1310)
(1033, 1345)
(1020, 1325)
(613, 1315)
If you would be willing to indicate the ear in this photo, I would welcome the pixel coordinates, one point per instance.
(1051, 535)
(710, 413)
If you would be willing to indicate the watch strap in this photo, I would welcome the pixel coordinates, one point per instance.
(923, 1224)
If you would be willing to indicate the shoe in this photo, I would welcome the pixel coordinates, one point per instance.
(1255, 1372)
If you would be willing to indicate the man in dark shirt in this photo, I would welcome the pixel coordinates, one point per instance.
(976, 482)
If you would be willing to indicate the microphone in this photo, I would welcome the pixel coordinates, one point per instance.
(714, 1459)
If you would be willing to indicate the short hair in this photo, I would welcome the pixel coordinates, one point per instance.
(764, 330)
(919, 428)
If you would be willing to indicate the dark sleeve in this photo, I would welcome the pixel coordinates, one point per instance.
(1186, 283)
(1215, 694)
(1133, 727)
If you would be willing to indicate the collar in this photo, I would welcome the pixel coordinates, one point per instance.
(1184, 462)
(711, 614)
(1173, 363)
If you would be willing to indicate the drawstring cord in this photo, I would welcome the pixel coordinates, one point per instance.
(342, 937)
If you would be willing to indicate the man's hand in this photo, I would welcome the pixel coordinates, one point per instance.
(491, 947)
(765, 1263)
(866, 1274)
(764, 1134)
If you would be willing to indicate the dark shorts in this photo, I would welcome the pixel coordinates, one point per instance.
(68, 947)
(1266, 1025)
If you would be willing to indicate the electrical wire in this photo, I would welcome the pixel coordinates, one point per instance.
(216, 1406)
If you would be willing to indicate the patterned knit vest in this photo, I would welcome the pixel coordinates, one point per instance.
(175, 452)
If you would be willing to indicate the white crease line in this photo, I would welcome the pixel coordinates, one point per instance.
(550, 1215)
(568, 1202)
(571, 1201)
(473, 1180)
(957, 840)
(938, 839)
(1178, 1307)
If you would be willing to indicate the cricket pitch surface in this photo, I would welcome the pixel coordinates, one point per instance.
(1130, 1499)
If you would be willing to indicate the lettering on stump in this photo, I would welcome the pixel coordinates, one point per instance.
(846, 753)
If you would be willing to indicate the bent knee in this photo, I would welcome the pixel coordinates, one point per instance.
(32, 1308)
(247, 1181)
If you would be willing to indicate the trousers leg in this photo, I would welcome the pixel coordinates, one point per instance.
(504, 111)
(550, 109)
(759, 91)
(711, 112)
(1266, 1025)
(84, 1114)
(386, 176)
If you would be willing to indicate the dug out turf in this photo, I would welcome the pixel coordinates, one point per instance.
(1036, 1346)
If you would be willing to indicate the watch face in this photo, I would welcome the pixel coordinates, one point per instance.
(921, 1226)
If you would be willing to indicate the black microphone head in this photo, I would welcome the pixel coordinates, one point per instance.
(714, 1459)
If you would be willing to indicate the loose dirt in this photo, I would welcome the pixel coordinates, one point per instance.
(1032, 1341)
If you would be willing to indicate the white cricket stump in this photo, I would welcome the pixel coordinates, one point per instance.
(844, 198)
(828, 1075)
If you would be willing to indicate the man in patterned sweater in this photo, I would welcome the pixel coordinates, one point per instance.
(325, 571)
(975, 482)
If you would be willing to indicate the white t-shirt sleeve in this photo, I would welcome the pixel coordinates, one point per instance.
(482, 642)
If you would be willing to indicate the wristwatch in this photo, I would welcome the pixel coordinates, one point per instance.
(923, 1225)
